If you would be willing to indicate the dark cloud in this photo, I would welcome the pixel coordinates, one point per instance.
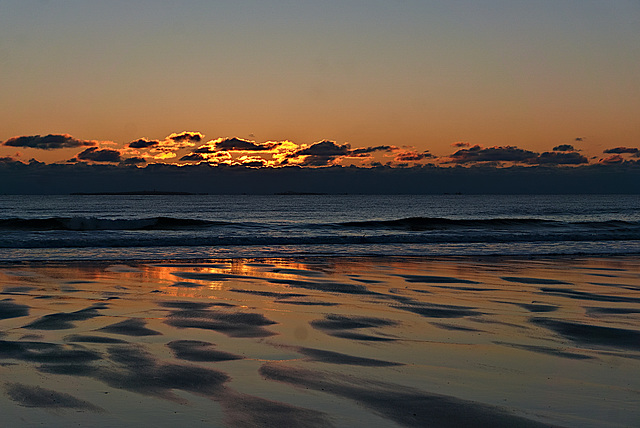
(560, 158)
(460, 144)
(365, 150)
(612, 160)
(621, 150)
(412, 156)
(206, 149)
(255, 163)
(7, 159)
(197, 157)
(143, 143)
(317, 160)
(564, 148)
(134, 161)
(492, 154)
(579, 138)
(186, 136)
(47, 142)
(99, 155)
(325, 149)
(236, 144)
(321, 154)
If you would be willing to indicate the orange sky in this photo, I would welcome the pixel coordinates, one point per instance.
(418, 76)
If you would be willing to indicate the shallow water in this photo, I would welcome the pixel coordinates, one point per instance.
(323, 341)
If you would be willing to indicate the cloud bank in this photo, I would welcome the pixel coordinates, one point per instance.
(38, 178)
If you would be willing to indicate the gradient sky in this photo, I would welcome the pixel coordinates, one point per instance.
(424, 74)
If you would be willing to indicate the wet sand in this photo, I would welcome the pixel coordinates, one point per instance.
(322, 342)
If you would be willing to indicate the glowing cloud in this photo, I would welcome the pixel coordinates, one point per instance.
(612, 160)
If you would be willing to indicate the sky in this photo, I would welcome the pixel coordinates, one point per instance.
(320, 83)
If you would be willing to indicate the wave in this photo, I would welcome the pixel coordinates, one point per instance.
(415, 224)
(437, 223)
(428, 223)
(93, 223)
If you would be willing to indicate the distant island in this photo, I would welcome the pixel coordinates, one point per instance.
(139, 192)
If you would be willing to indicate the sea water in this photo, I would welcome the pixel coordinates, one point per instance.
(145, 227)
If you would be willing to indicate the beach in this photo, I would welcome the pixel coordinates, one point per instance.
(322, 341)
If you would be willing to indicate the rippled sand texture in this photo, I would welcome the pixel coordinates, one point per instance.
(322, 342)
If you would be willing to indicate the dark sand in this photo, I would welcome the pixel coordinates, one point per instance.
(373, 342)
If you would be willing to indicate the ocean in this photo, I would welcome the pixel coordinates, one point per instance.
(156, 227)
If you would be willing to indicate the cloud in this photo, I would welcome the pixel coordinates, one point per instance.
(612, 160)
(215, 157)
(7, 159)
(193, 157)
(460, 144)
(143, 143)
(48, 142)
(328, 152)
(166, 148)
(282, 153)
(206, 148)
(319, 154)
(136, 160)
(560, 158)
(492, 154)
(316, 160)
(186, 136)
(237, 144)
(172, 143)
(579, 138)
(564, 148)
(324, 148)
(620, 150)
(271, 153)
(364, 150)
(412, 156)
(252, 161)
(94, 154)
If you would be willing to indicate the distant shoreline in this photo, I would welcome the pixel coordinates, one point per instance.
(134, 193)
(169, 193)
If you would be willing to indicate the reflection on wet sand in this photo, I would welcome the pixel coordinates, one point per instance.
(322, 342)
